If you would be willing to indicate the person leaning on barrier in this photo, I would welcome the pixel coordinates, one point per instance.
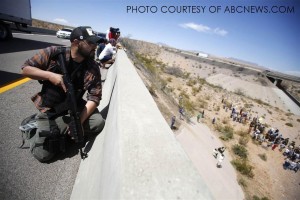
(52, 102)
(102, 43)
(107, 55)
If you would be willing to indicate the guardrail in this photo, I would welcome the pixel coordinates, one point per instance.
(136, 156)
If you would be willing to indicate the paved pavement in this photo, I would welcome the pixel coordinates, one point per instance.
(198, 142)
(21, 176)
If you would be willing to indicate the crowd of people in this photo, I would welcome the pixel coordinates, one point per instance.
(272, 138)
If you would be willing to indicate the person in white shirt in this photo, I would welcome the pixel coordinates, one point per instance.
(106, 56)
(220, 160)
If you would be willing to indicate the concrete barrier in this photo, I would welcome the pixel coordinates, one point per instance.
(136, 156)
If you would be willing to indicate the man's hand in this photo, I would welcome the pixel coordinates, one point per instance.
(71, 130)
(38, 74)
(57, 79)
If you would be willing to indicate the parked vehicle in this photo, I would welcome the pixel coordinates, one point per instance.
(64, 33)
(16, 14)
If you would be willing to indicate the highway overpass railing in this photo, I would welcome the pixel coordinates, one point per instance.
(136, 156)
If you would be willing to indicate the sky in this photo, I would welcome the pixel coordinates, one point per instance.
(265, 32)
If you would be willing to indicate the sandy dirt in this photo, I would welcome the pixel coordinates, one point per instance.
(198, 142)
(275, 109)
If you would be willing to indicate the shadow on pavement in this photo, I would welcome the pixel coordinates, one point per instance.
(72, 150)
(18, 44)
(8, 77)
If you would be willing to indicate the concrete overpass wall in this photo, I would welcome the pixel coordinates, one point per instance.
(136, 156)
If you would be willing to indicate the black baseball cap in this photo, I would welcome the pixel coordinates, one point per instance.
(84, 33)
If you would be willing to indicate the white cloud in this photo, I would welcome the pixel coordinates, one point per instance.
(221, 32)
(59, 20)
(204, 29)
(196, 27)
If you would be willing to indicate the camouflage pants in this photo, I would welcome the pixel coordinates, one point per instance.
(39, 143)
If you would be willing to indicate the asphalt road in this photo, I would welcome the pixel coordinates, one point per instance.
(22, 176)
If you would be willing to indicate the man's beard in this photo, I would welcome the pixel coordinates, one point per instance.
(85, 53)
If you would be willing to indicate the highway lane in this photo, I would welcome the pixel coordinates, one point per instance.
(14, 52)
(22, 176)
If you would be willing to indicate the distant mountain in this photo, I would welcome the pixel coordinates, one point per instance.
(196, 51)
(244, 61)
(294, 73)
(163, 44)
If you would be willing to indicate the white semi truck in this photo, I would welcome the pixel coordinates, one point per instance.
(14, 14)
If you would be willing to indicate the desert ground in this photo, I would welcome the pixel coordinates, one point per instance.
(174, 79)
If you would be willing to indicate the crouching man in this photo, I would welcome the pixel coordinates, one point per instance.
(53, 119)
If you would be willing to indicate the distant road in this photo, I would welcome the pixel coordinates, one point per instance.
(14, 52)
(21, 176)
(219, 62)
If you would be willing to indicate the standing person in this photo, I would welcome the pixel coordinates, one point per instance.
(53, 103)
(106, 56)
(173, 122)
(181, 113)
(215, 153)
(199, 116)
(251, 126)
(113, 33)
(220, 160)
(214, 120)
(221, 149)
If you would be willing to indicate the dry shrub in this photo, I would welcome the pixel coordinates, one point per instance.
(224, 120)
(227, 133)
(191, 82)
(289, 124)
(239, 91)
(263, 156)
(218, 109)
(201, 103)
(243, 167)
(243, 141)
(242, 132)
(242, 182)
(240, 150)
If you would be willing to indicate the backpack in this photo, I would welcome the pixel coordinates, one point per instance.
(28, 128)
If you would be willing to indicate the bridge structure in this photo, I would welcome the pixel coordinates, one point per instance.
(277, 77)
(136, 156)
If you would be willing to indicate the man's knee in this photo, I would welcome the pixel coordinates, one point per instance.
(95, 123)
(41, 154)
(99, 123)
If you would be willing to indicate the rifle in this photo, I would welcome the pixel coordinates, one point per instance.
(75, 126)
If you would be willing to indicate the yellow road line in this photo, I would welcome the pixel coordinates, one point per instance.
(13, 85)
